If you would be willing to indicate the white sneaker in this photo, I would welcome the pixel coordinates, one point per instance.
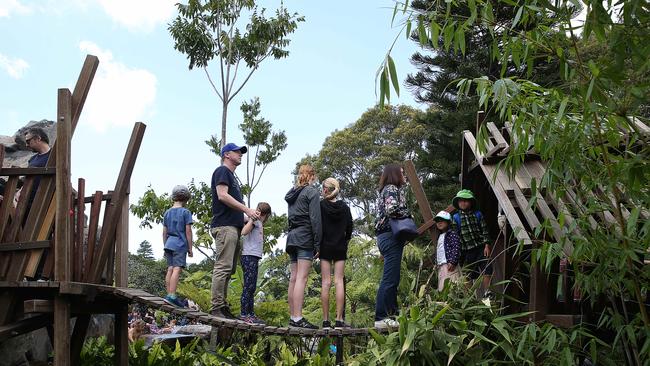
(386, 323)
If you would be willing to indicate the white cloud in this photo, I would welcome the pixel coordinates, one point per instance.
(141, 15)
(120, 95)
(12, 6)
(14, 67)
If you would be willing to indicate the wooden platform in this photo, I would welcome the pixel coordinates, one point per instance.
(94, 296)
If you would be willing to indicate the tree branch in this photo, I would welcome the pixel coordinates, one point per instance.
(212, 83)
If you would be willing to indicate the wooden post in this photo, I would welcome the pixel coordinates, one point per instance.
(421, 198)
(122, 245)
(480, 118)
(121, 187)
(62, 232)
(122, 336)
(339, 350)
(79, 232)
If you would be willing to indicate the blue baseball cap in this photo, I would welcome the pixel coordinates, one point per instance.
(232, 147)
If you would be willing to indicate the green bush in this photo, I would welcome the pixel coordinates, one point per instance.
(464, 330)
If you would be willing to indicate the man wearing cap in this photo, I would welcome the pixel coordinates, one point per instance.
(228, 212)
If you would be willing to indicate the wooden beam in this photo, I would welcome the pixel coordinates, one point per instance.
(7, 204)
(82, 87)
(122, 246)
(466, 158)
(17, 221)
(7, 247)
(24, 325)
(93, 223)
(420, 197)
(62, 237)
(28, 171)
(61, 330)
(79, 231)
(122, 336)
(38, 306)
(564, 320)
(496, 134)
(119, 194)
(91, 199)
(500, 192)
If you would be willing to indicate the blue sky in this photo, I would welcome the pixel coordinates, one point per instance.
(326, 83)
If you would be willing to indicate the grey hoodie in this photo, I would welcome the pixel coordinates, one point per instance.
(305, 230)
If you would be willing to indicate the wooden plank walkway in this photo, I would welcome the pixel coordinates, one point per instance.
(142, 297)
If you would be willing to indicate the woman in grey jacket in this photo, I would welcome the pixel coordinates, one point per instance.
(303, 240)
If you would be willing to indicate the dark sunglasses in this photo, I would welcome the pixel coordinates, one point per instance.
(29, 139)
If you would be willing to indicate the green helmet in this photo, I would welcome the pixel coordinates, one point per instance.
(464, 194)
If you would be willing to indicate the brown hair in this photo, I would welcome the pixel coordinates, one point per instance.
(392, 174)
(305, 174)
(264, 209)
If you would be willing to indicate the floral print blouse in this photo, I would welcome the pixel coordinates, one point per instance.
(390, 204)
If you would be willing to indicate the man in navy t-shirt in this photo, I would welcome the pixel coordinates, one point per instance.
(228, 211)
(37, 140)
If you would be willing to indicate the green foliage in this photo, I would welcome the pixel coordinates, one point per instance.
(586, 130)
(209, 29)
(193, 354)
(97, 352)
(264, 145)
(465, 331)
(356, 154)
(147, 274)
(196, 286)
(269, 350)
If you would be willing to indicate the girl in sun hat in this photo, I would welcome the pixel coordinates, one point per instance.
(447, 250)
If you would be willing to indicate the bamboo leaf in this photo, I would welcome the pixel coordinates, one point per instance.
(560, 112)
(393, 75)
(517, 17)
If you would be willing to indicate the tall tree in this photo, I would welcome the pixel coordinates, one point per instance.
(209, 29)
(145, 251)
(356, 154)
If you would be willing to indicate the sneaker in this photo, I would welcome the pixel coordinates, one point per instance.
(327, 324)
(341, 324)
(386, 323)
(256, 320)
(170, 300)
(302, 323)
(246, 319)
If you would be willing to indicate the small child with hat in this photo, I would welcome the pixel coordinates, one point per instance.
(475, 247)
(447, 250)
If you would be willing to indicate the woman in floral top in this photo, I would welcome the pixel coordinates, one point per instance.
(391, 204)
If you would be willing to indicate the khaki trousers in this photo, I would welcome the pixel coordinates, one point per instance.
(227, 250)
(444, 274)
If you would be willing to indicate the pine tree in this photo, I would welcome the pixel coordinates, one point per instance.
(145, 251)
(448, 114)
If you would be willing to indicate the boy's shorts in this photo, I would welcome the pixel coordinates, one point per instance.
(175, 258)
(474, 263)
(298, 253)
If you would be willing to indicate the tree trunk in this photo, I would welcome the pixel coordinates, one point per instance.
(224, 116)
